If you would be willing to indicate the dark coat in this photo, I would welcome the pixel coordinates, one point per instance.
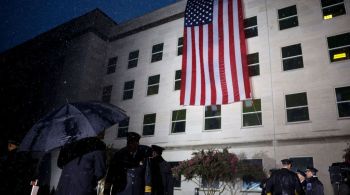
(314, 186)
(162, 179)
(126, 168)
(283, 182)
(83, 164)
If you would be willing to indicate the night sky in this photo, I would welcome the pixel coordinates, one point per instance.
(22, 20)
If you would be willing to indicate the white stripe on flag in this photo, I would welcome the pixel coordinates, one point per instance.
(216, 53)
(206, 65)
(198, 67)
(188, 67)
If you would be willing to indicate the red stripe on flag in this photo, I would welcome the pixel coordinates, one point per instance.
(202, 65)
(211, 64)
(183, 70)
(232, 52)
(193, 73)
(221, 53)
(243, 51)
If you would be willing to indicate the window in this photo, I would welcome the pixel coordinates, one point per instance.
(253, 64)
(149, 123)
(214, 184)
(153, 85)
(180, 44)
(123, 128)
(250, 27)
(343, 101)
(287, 17)
(297, 108)
(177, 181)
(106, 93)
(178, 121)
(133, 59)
(332, 8)
(252, 113)
(292, 57)
(128, 90)
(251, 182)
(157, 52)
(112, 63)
(177, 80)
(301, 163)
(339, 47)
(212, 117)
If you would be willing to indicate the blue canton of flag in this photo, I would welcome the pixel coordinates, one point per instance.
(198, 12)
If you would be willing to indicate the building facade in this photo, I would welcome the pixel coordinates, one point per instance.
(299, 66)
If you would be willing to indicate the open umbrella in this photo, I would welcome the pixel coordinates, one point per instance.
(71, 122)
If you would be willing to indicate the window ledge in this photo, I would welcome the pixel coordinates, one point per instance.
(298, 122)
(253, 126)
(343, 118)
(211, 130)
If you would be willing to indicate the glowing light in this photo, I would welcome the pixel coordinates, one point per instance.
(327, 17)
(339, 55)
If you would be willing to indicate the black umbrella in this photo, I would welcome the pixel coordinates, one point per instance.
(71, 122)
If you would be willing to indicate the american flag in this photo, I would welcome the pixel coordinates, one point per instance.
(214, 64)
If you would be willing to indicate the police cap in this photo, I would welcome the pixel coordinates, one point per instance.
(312, 169)
(286, 161)
(12, 141)
(301, 173)
(132, 136)
(157, 149)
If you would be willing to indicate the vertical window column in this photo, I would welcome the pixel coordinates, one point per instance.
(178, 121)
(339, 47)
(157, 52)
(177, 85)
(153, 85)
(287, 17)
(252, 113)
(292, 57)
(133, 59)
(107, 93)
(212, 117)
(123, 128)
(343, 101)
(253, 64)
(332, 8)
(250, 27)
(128, 90)
(297, 107)
(149, 123)
(112, 63)
(180, 44)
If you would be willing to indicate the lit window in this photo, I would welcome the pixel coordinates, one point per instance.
(128, 90)
(149, 123)
(123, 127)
(252, 113)
(253, 64)
(287, 17)
(157, 52)
(343, 101)
(180, 44)
(297, 107)
(301, 163)
(177, 85)
(212, 117)
(250, 27)
(153, 85)
(251, 180)
(292, 57)
(112, 63)
(332, 8)
(178, 123)
(339, 47)
(133, 59)
(106, 93)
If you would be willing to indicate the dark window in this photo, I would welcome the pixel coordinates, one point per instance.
(177, 80)
(252, 112)
(339, 47)
(149, 123)
(133, 59)
(332, 8)
(343, 101)
(212, 117)
(297, 107)
(112, 63)
(123, 127)
(253, 64)
(301, 163)
(106, 93)
(292, 57)
(153, 85)
(250, 181)
(177, 181)
(128, 90)
(178, 122)
(157, 52)
(287, 17)
(250, 27)
(180, 44)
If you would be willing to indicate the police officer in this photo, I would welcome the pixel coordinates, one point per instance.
(126, 172)
(284, 181)
(313, 185)
(162, 179)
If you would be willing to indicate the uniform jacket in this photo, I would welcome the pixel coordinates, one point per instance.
(83, 164)
(283, 182)
(314, 186)
(162, 179)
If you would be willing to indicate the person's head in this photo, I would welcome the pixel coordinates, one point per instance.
(286, 163)
(310, 172)
(132, 141)
(271, 171)
(12, 145)
(301, 175)
(157, 150)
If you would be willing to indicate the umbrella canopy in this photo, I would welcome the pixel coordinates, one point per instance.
(71, 122)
